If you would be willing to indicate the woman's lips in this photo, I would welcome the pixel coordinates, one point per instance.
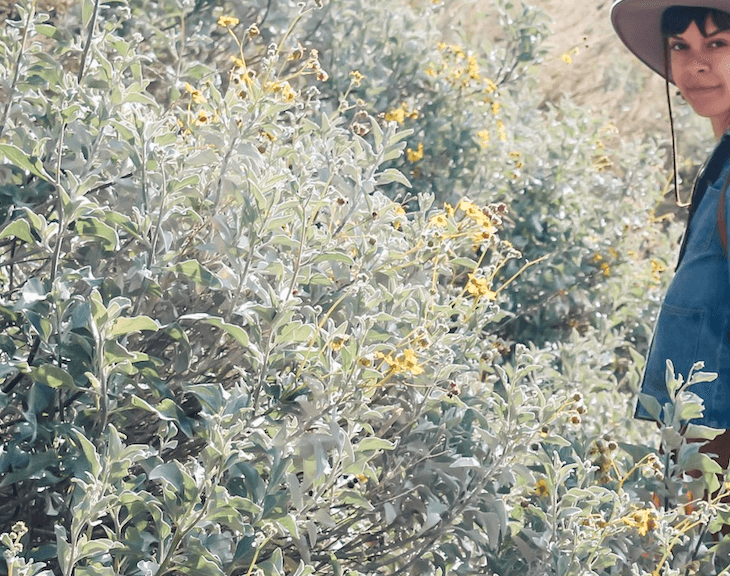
(702, 89)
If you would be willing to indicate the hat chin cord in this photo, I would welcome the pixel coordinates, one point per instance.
(677, 200)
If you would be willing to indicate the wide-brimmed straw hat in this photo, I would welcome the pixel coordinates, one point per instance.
(638, 24)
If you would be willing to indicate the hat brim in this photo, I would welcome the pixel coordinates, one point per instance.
(638, 25)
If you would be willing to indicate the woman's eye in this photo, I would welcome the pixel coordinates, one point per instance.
(718, 44)
(677, 46)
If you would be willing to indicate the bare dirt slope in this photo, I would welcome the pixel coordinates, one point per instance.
(603, 75)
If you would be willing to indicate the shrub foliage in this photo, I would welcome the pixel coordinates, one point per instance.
(312, 289)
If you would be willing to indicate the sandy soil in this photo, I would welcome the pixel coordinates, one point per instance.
(604, 75)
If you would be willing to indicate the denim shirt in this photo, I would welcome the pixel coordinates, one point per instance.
(694, 321)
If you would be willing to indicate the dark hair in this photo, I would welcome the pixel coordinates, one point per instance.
(676, 19)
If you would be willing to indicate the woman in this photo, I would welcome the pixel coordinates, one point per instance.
(689, 45)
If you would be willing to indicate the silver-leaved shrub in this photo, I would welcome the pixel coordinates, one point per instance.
(311, 289)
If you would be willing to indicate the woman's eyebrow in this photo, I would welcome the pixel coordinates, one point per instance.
(710, 35)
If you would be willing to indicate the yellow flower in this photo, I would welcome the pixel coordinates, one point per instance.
(484, 138)
(450, 210)
(643, 520)
(283, 88)
(415, 155)
(252, 30)
(397, 115)
(502, 130)
(438, 221)
(454, 75)
(606, 269)
(466, 206)
(202, 118)
(239, 62)
(453, 48)
(479, 287)
(400, 114)
(406, 362)
(287, 92)
(195, 94)
(656, 269)
(338, 342)
(567, 58)
(496, 107)
(473, 70)
(601, 163)
(484, 234)
(228, 21)
(489, 86)
(541, 488)
(476, 215)
(356, 77)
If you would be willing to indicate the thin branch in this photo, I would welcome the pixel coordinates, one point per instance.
(90, 35)
(16, 72)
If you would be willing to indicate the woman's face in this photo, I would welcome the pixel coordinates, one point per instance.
(701, 70)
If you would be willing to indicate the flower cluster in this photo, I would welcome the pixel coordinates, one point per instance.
(603, 265)
(415, 155)
(656, 269)
(459, 68)
(479, 287)
(483, 138)
(195, 95)
(400, 114)
(356, 77)
(407, 361)
(644, 520)
(282, 89)
(487, 219)
(228, 21)
(338, 342)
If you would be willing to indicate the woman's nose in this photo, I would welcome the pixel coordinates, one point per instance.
(700, 64)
